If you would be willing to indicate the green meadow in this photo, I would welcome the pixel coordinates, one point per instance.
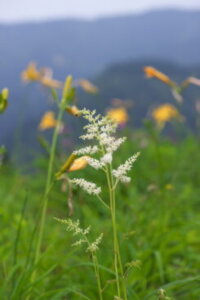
(150, 243)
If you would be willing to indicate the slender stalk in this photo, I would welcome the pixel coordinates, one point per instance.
(115, 237)
(17, 238)
(117, 257)
(19, 227)
(101, 200)
(48, 186)
(111, 188)
(114, 234)
(96, 269)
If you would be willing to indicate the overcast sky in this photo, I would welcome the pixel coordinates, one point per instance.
(34, 10)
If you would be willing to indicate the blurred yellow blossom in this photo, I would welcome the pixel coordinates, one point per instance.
(78, 164)
(118, 115)
(152, 72)
(165, 113)
(31, 73)
(42, 75)
(88, 86)
(169, 186)
(73, 110)
(51, 83)
(48, 121)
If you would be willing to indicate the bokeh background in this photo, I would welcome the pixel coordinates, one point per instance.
(138, 61)
(106, 42)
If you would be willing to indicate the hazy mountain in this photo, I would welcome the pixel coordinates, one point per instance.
(85, 47)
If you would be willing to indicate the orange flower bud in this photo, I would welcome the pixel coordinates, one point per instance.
(152, 72)
(73, 110)
(88, 86)
(78, 164)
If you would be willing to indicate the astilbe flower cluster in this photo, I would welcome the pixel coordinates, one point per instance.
(101, 129)
(122, 170)
(87, 186)
(74, 227)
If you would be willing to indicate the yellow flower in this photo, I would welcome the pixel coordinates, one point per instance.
(118, 115)
(152, 72)
(78, 164)
(169, 187)
(31, 73)
(51, 83)
(88, 86)
(73, 110)
(43, 75)
(165, 113)
(72, 164)
(48, 121)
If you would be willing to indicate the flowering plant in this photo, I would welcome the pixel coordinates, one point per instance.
(100, 131)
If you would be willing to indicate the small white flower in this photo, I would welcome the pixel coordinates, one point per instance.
(109, 127)
(106, 139)
(91, 128)
(89, 187)
(87, 230)
(116, 143)
(79, 242)
(95, 245)
(89, 136)
(107, 158)
(122, 170)
(86, 150)
(125, 179)
(99, 127)
(95, 163)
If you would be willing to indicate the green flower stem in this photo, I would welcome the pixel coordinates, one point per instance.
(96, 269)
(118, 261)
(97, 273)
(101, 200)
(114, 233)
(117, 257)
(48, 186)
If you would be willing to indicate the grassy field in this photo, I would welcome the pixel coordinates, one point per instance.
(126, 228)
(157, 220)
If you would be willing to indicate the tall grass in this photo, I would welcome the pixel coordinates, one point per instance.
(139, 240)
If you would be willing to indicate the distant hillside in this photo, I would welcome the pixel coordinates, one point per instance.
(84, 48)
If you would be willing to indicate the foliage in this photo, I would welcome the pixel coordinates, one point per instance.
(158, 217)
